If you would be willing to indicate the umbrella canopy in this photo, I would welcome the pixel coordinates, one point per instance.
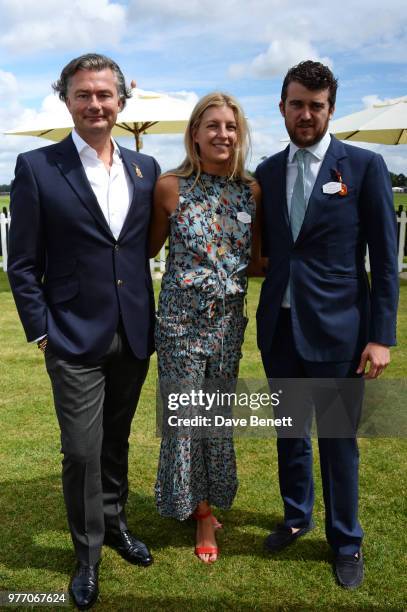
(384, 123)
(146, 112)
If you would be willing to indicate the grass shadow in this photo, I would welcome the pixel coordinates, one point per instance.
(34, 531)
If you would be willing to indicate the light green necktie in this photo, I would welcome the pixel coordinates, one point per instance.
(298, 207)
(298, 201)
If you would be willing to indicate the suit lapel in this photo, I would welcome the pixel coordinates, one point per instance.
(69, 163)
(282, 173)
(335, 152)
(135, 175)
(275, 183)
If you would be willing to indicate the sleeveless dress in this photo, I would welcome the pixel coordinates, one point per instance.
(200, 329)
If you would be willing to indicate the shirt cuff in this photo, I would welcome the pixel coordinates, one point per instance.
(38, 339)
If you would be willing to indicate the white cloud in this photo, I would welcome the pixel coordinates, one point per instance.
(8, 85)
(395, 158)
(29, 26)
(370, 100)
(264, 144)
(368, 31)
(281, 55)
(10, 147)
(182, 9)
(52, 111)
(201, 12)
(190, 97)
(382, 24)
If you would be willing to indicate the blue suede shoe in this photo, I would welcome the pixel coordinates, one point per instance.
(282, 536)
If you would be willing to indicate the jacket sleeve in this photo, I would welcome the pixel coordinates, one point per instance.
(380, 225)
(264, 239)
(26, 260)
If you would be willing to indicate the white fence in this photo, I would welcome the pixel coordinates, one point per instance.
(159, 265)
(402, 221)
(156, 265)
(4, 223)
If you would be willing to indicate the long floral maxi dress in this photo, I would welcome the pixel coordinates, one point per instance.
(199, 331)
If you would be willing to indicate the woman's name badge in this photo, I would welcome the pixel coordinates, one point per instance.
(332, 187)
(244, 217)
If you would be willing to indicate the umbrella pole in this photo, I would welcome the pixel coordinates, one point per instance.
(137, 138)
(138, 141)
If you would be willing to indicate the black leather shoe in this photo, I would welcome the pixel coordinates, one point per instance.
(349, 570)
(129, 548)
(84, 586)
(282, 537)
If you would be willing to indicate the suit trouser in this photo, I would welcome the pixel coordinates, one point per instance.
(95, 404)
(339, 457)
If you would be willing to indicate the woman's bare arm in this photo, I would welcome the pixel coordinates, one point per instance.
(258, 264)
(165, 202)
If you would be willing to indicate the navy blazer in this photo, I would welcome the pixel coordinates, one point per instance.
(70, 277)
(334, 310)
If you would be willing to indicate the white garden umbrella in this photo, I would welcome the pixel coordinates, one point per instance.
(146, 112)
(384, 123)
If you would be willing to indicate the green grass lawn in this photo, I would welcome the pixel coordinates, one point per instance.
(400, 198)
(4, 201)
(35, 548)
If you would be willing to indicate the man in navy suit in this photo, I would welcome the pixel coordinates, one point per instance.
(318, 317)
(79, 272)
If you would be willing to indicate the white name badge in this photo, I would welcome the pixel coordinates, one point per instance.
(331, 187)
(243, 216)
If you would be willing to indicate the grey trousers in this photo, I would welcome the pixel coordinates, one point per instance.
(95, 404)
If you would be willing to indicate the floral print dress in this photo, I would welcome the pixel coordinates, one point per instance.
(199, 331)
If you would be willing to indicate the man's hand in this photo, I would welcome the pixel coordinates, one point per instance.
(379, 357)
(42, 344)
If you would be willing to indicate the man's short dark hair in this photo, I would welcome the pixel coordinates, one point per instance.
(314, 76)
(91, 61)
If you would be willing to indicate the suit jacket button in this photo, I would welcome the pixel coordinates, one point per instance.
(120, 283)
(116, 247)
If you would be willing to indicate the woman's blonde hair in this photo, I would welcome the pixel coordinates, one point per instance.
(192, 163)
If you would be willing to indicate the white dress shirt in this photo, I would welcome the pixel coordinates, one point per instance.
(312, 166)
(113, 190)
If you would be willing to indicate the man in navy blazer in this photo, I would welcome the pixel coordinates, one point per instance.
(318, 315)
(79, 272)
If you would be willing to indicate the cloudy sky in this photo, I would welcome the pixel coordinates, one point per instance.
(196, 46)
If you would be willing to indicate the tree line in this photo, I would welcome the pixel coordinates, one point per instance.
(398, 180)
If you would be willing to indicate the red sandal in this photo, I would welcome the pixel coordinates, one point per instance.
(206, 550)
(215, 522)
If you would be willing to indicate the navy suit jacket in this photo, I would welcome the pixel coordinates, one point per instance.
(70, 277)
(334, 310)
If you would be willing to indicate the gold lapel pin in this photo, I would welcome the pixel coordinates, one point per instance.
(137, 169)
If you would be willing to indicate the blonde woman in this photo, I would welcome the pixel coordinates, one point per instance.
(207, 206)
